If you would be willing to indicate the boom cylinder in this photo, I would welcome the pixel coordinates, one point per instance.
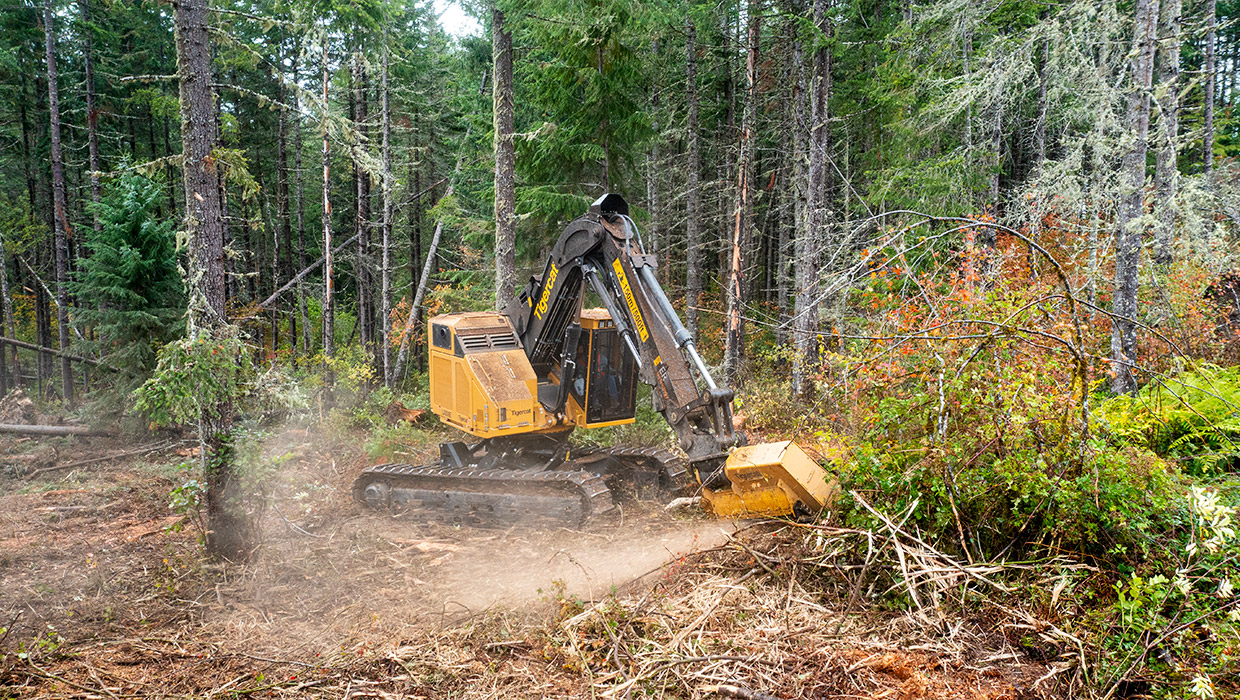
(684, 339)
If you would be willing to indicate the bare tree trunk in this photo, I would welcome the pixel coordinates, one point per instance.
(742, 231)
(654, 230)
(60, 210)
(1165, 173)
(329, 311)
(172, 183)
(385, 293)
(232, 283)
(302, 309)
(229, 534)
(996, 164)
(804, 272)
(361, 180)
(787, 194)
(10, 325)
(505, 162)
(1039, 145)
(92, 113)
(6, 306)
(1131, 207)
(1210, 70)
(415, 234)
(693, 194)
(283, 265)
(1039, 132)
(813, 233)
(726, 193)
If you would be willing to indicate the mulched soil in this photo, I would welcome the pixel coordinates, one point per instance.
(105, 594)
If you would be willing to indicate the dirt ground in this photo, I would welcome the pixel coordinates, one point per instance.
(105, 594)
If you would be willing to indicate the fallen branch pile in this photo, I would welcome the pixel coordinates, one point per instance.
(778, 613)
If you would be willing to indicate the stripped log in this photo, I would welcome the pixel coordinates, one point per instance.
(54, 430)
(53, 351)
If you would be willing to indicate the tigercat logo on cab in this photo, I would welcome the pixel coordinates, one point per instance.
(546, 295)
(628, 297)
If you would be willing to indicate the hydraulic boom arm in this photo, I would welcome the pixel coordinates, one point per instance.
(602, 251)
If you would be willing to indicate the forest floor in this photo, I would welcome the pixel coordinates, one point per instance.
(105, 594)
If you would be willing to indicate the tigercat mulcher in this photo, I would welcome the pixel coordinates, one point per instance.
(519, 382)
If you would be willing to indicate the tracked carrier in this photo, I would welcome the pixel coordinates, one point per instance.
(519, 382)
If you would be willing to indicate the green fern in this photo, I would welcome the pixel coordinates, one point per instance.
(1192, 416)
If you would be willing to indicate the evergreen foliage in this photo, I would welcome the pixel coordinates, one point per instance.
(129, 282)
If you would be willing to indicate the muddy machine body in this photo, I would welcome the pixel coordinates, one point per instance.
(519, 382)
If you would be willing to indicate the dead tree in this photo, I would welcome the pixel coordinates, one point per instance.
(1127, 234)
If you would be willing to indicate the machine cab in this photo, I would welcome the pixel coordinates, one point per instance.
(603, 390)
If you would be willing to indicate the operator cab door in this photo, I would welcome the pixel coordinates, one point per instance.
(604, 390)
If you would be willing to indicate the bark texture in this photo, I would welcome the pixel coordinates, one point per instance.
(813, 232)
(693, 192)
(92, 113)
(742, 228)
(1132, 205)
(329, 311)
(361, 180)
(60, 211)
(1209, 71)
(229, 534)
(302, 310)
(1165, 174)
(385, 271)
(505, 162)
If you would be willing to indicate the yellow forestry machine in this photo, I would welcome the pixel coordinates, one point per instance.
(520, 382)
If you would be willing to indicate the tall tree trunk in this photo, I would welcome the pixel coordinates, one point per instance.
(415, 237)
(92, 112)
(1039, 146)
(1131, 206)
(693, 193)
(329, 311)
(742, 230)
(60, 210)
(229, 534)
(810, 243)
(505, 162)
(32, 195)
(1165, 173)
(232, 282)
(1209, 69)
(1039, 131)
(725, 192)
(361, 180)
(996, 163)
(385, 293)
(10, 326)
(284, 244)
(302, 309)
(172, 183)
(654, 230)
(787, 196)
